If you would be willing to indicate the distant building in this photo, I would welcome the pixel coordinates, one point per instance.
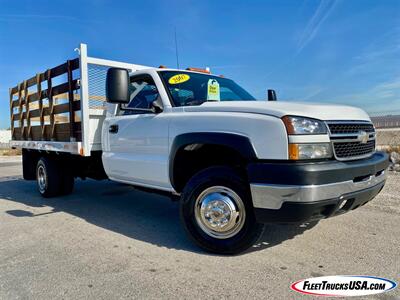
(5, 137)
(391, 121)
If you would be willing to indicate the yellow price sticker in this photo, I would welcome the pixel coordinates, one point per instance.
(179, 78)
(213, 90)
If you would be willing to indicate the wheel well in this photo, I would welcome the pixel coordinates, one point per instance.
(30, 159)
(192, 158)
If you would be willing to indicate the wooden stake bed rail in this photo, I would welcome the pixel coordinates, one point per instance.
(57, 129)
(49, 114)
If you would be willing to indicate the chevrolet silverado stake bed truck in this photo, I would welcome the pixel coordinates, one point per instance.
(233, 162)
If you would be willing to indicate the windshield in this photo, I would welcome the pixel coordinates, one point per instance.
(188, 88)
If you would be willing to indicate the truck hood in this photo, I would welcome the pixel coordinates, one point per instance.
(279, 109)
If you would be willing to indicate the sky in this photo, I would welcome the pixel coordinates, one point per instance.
(344, 51)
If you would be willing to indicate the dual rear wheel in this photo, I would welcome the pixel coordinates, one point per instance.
(53, 177)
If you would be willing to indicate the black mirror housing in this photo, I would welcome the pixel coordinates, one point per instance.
(117, 86)
(271, 95)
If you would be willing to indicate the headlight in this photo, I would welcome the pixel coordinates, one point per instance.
(310, 151)
(300, 125)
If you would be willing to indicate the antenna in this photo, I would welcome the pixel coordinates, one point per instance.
(176, 50)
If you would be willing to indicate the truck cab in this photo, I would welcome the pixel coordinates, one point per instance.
(233, 162)
(189, 132)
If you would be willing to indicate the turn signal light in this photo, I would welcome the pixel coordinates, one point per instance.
(293, 151)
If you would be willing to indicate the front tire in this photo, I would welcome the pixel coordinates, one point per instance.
(217, 212)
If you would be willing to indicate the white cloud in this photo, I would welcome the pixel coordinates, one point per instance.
(42, 17)
(383, 97)
(323, 11)
(35, 16)
(382, 52)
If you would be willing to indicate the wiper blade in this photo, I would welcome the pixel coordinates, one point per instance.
(195, 102)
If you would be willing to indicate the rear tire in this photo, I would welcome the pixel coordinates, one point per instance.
(217, 212)
(48, 177)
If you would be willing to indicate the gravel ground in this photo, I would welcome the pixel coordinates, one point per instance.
(109, 241)
(388, 136)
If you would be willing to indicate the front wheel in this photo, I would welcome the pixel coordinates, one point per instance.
(217, 213)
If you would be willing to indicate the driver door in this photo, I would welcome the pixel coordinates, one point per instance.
(136, 141)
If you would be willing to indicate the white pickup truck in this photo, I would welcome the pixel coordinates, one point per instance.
(233, 162)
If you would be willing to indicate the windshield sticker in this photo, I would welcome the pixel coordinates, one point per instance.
(179, 78)
(213, 90)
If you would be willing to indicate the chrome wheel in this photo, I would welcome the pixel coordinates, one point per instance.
(41, 179)
(220, 212)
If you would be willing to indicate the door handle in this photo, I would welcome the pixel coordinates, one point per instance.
(113, 128)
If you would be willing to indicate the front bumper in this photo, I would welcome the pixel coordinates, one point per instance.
(299, 192)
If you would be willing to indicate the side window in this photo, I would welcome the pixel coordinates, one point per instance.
(143, 93)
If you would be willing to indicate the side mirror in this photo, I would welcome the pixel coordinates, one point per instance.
(271, 95)
(117, 86)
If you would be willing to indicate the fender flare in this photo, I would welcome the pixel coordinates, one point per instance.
(237, 142)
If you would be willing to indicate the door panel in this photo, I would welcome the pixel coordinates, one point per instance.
(136, 142)
(138, 151)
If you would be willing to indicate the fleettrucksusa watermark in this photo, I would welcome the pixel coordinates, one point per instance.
(343, 285)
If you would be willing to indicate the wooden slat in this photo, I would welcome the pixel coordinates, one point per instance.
(61, 132)
(51, 104)
(58, 109)
(63, 88)
(27, 108)
(17, 134)
(31, 81)
(35, 96)
(41, 114)
(67, 130)
(11, 114)
(56, 71)
(56, 90)
(58, 119)
(20, 110)
(25, 127)
(15, 103)
(63, 68)
(70, 101)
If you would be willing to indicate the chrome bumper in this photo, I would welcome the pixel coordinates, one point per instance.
(272, 196)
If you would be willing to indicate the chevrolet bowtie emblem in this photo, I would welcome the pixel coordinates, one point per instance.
(362, 137)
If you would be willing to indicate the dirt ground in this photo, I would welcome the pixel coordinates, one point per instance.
(107, 240)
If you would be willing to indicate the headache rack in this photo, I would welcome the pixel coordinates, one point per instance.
(63, 108)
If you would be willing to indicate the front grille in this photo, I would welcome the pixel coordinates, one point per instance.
(353, 149)
(347, 139)
(350, 128)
